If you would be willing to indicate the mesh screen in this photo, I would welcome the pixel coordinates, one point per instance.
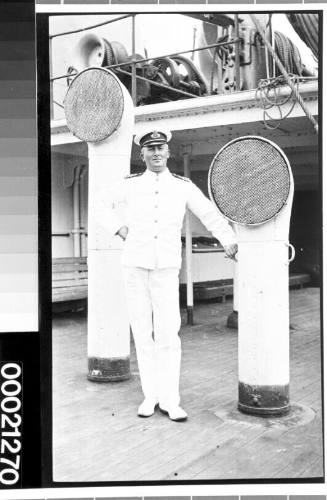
(249, 180)
(94, 105)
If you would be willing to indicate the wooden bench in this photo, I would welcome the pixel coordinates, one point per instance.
(224, 288)
(69, 283)
(209, 290)
(299, 279)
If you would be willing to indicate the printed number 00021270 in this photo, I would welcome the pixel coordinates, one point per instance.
(11, 420)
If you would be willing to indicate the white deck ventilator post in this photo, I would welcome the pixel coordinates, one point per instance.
(108, 326)
(108, 346)
(252, 184)
(263, 319)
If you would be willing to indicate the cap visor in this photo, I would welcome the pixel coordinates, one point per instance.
(154, 143)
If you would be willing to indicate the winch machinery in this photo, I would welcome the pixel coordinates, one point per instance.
(230, 52)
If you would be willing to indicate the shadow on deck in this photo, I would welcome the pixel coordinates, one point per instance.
(97, 435)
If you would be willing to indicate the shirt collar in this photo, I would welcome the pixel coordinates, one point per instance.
(165, 173)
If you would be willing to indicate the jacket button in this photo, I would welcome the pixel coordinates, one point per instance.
(155, 237)
(156, 192)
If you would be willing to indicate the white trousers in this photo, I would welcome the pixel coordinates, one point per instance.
(152, 297)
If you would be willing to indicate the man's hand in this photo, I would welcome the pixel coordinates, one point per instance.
(123, 232)
(231, 251)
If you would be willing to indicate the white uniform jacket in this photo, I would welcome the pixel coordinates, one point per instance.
(155, 207)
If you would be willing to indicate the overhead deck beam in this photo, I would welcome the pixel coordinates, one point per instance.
(205, 112)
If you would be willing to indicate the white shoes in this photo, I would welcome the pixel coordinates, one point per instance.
(146, 409)
(175, 413)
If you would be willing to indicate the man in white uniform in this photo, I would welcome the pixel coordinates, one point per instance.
(156, 201)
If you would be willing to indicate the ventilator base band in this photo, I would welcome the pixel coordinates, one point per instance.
(264, 400)
(108, 369)
(232, 320)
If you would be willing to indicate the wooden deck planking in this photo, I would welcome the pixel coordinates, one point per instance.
(233, 455)
(290, 465)
(311, 467)
(263, 459)
(117, 445)
(225, 445)
(163, 458)
(223, 437)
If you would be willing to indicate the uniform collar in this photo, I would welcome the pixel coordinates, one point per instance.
(162, 175)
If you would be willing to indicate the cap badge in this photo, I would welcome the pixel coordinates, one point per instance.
(155, 135)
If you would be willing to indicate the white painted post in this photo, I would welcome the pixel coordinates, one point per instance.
(83, 203)
(264, 315)
(188, 251)
(251, 181)
(108, 327)
(76, 212)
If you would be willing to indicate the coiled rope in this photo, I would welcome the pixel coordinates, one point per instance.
(306, 25)
(268, 95)
(286, 76)
(288, 53)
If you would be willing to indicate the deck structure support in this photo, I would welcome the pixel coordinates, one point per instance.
(188, 249)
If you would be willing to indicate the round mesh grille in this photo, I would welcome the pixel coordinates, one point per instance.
(249, 180)
(94, 105)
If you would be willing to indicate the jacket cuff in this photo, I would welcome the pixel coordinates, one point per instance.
(228, 240)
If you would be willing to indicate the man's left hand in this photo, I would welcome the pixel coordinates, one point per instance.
(231, 251)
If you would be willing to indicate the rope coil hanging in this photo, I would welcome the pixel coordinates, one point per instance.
(268, 94)
(288, 53)
(285, 75)
(307, 27)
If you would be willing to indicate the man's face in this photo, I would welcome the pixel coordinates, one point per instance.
(155, 156)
